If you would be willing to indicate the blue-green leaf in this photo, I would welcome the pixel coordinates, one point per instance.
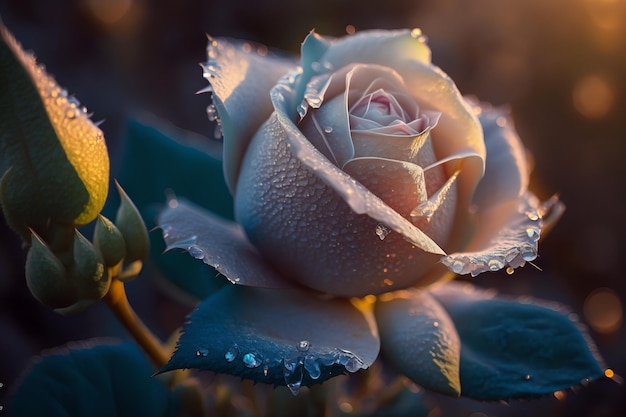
(281, 337)
(92, 379)
(157, 160)
(512, 349)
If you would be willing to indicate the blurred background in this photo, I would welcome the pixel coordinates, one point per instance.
(559, 65)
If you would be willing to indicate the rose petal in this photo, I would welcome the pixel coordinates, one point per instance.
(506, 173)
(284, 207)
(514, 348)
(458, 130)
(280, 337)
(241, 79)
(327, 128)
(219, 243)
(419, 340)
(388, 48)
(506, 236)
(361, 200)
(399, 184)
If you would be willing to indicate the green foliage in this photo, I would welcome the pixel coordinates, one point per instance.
(95, 378)
(158, 160)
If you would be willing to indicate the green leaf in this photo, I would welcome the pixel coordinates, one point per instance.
(280, 337)
(53, 160)
(92, 379)
(512, 349)
(158, 160)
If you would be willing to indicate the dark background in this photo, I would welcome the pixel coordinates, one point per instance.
(558, 64)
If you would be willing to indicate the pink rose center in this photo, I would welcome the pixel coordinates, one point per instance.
(381, 109)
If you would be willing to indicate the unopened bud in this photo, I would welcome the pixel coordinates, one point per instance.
(46, 276)
(109, 241)
(89, 274)
(133, 228)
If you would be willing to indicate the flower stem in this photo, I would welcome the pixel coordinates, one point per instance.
(118, 303)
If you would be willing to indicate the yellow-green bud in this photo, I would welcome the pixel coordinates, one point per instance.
(109, 241)
(46, 276)
(130, 223)
(53, 159)
(89, 274)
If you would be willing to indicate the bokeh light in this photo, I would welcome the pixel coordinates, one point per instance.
(603, 310)
(593, 96)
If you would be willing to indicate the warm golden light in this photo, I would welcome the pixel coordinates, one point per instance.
(593, 96)
(109, 11)
(609, 373)
(350, 29)
(603, 310)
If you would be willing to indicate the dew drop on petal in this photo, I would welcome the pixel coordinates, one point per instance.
(381, 231)
(495, 264)
(293, 373)
(528, 252)
(532, 233)
(252, 360)
(527, 377)
(196, 251)
(416, 33)
(510, 270)
(202, 352)
(328, 129)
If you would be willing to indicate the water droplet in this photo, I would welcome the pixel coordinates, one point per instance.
(501, 121)
(353, 364)
(266, 370)
(510, 270)
(202, 352)
(293, 373)
(532, 233)
(196, 251)
(328, 129)
(70, 114)
(495, 264)
(528, 252)
(511, 254)
(381, 231)
(231, 354)
(316, 66)
(527, 377)
(312, 367)
(416, 33)
(532, 216)
(457, 266)
(212, 113)
(303, 345)
(252, 360)
(425, 209)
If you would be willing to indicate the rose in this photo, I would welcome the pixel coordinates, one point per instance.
(357, 171)
(361, 171)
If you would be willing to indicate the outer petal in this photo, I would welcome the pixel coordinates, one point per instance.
(219, 243)
(241, 80)
(419, 339)
(506, 173)
(507, 236)
(509, 220)
(320, 226)
(280, 337)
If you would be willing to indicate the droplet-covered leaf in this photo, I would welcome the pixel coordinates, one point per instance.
(512, 349)
(279, 337)
(53, 160)
(92, 379)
